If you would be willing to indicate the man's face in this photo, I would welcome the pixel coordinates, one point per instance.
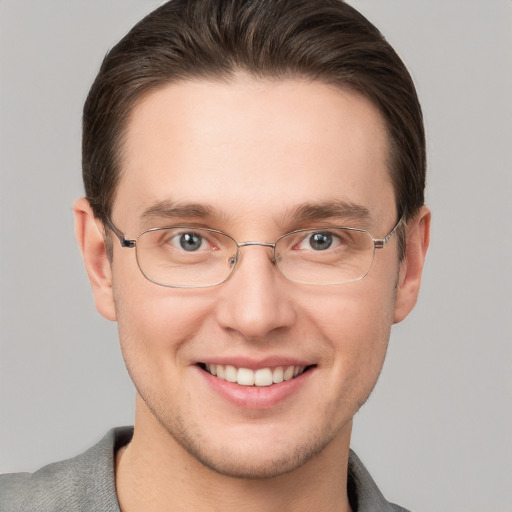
(254, 152)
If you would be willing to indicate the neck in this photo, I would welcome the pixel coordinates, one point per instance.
(155, 473)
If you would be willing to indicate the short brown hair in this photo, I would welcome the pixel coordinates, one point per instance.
(324, 40)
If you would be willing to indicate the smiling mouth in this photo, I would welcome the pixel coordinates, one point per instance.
(260, 378)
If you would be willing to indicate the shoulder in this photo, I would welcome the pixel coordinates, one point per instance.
(85, 482)
(364, 495)
(47, 489)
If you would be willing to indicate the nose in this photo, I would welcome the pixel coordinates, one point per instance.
(256, 298)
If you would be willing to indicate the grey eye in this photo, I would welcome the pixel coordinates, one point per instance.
(191, 241)
(320, 241)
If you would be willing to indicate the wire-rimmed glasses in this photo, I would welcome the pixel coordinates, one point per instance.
(190, 257)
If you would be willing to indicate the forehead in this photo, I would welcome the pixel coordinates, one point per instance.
(254, 149)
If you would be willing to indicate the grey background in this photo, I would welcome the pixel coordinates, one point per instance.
(437, 432)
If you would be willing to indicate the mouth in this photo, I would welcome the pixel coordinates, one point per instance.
(260, 377)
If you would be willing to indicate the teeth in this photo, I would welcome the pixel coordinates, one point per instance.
(245, 377)
(288, 373)
(277, 375)
(230, 374)
(261, 377)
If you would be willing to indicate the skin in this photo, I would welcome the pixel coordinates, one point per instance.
(252, 150)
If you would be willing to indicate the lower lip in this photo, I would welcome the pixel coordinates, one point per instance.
(256, 397)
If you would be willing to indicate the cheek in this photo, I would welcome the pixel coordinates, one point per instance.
(154, 324)
(358, 309)
(355, 322)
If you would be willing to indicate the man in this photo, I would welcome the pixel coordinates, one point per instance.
(254, 222)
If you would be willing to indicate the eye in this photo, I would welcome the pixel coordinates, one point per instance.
(319, 241)
(190, 241)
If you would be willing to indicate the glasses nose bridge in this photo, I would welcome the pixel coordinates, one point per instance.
(263, 244)
(251, 243)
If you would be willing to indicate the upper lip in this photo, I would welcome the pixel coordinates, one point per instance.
(254, 364)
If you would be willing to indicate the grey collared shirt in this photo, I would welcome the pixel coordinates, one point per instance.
(86, 483)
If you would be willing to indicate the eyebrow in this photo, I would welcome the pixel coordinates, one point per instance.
(171, 209)
(329, 209)
(301, 213)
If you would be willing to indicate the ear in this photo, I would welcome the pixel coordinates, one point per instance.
(417, 234)
(89, 234)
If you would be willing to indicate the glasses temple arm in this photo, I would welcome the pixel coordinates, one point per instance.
(122, 239)
(382, 242)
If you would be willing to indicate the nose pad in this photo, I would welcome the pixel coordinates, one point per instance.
(232, 262)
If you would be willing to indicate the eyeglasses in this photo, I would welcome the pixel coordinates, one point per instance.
(190, 257)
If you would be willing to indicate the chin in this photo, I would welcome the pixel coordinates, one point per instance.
(251, 456)
(252, 464)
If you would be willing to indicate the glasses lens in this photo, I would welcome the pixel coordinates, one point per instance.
(186, 257)
(325, 256)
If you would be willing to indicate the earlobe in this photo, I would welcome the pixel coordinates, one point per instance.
(89, 234)
(408, 287)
